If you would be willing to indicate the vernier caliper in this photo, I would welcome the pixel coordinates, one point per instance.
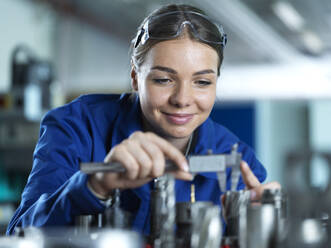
(197, 163)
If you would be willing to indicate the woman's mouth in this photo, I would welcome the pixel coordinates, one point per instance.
(178, 119)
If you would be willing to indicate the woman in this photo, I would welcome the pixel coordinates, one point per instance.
(176, 58)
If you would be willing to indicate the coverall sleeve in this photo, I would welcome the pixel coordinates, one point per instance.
(56, 190)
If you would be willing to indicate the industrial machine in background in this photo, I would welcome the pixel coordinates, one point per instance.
(22, 107)
(21, 110)
(31, 81)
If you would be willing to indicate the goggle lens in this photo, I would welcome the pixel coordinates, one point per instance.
(212, 34)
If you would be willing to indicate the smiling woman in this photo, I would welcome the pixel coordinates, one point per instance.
(176, 58)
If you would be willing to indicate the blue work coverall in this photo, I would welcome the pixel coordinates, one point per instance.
(85, 130)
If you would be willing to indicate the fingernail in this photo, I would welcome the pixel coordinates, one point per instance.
(185, 166)
(252, 194)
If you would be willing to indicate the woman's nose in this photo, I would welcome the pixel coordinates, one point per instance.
(182, 96)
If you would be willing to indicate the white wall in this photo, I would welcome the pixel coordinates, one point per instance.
(88, 60)
(28, 23)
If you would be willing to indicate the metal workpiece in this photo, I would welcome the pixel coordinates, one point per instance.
(278, 198)
(234, 213)
(234, 208)
(85, 223)
(207, 228)
(163, 212)
(186, 216)
(261, 226)
(254, 224)
(198, 225)
(114, 215)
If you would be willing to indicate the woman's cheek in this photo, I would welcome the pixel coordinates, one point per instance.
(206, 101)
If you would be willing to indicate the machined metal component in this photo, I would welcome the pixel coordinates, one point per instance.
(278, 199)
(207, 228)
(186, 215)
(235, 206)
(115, 216)
(163, 212)
(85, 223)
(198, 225)
(260, 226)
(235, 215)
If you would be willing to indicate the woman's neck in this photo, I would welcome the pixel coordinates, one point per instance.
(181, 143)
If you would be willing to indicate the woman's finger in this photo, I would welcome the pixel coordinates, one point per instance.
(248, 176)
(170, 151)
(120, 154)
(143, 159)
(157, 158)
(183, 175)
(127, 183)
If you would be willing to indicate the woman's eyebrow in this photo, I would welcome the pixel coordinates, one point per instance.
(207, 71)
(165, 69)
(170, 70)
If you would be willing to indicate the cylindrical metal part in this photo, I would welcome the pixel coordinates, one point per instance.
(207, 228)
(186, 214)
(115, 216)
(83, 223)
(276, 197)
(163, 213)
(156, 220)
(235, 209)
(261, 223)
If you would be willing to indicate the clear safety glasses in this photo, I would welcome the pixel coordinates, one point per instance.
(212, 33)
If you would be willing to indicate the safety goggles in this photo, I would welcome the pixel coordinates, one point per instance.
(194, 20)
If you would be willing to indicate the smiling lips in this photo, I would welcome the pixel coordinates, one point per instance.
(178, 119)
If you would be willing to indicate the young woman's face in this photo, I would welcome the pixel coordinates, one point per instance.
(177, 86)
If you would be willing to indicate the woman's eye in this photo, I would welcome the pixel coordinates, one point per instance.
(161, 80)
(203, 83)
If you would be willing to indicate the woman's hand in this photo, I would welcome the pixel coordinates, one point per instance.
(143, 155)
(253, 184)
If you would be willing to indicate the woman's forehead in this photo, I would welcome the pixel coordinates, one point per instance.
(181, 53)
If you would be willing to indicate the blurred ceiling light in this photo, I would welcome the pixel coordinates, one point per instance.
(312, 42)
(288, 15)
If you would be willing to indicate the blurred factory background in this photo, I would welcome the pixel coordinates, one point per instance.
(274, 90)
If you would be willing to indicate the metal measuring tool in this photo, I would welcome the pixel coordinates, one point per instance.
(197, 163)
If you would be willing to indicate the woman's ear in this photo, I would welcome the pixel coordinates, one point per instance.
(134, 81)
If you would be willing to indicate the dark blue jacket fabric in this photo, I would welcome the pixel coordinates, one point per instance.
(85, 130)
